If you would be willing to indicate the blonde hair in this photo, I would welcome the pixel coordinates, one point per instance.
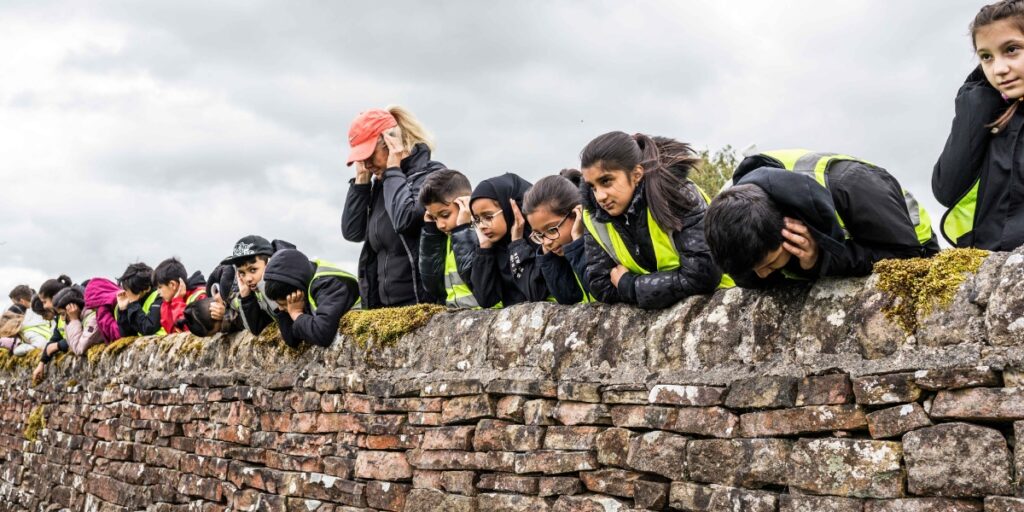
(412, 131)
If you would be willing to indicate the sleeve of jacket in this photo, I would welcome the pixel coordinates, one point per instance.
(134, 322)
(526, 273)
(56, 336)
(599, 270)
(464, 245)
(871, 204)
(176, 312)
(357, 212)
(433, 250)
(559, 278)
(334, 297)
(576, 254)
(485, 278)
(977, 104)
(697, 272)
(253, 316)
(401, 196)
(284, 324)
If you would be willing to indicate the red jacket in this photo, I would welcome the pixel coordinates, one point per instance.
(172, 313)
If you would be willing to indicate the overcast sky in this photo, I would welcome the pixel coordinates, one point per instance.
(135, 131)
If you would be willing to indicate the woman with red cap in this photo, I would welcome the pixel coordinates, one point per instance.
(391, 153)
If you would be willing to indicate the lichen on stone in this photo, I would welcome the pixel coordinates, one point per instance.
(917, 286)
(118, 346)
(94, 353)
(35, 422)
(192, 346)
(271, 335)
(386, 325)
(10, 362)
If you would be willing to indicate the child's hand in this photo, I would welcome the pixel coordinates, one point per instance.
(465, 215)
(396, 150)
(243, 289)
(38, 374)
(122, 300)
(217, 308)
(617, 274)
(181, 288)
(362, 173)
(800, 243)
(484, 242)
(72, 312)
(295, 304)
(428, 218)
(577, 224)
(519, 225)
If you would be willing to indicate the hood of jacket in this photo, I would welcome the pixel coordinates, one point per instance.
(100, 292)
(289, 266)
(504, 189)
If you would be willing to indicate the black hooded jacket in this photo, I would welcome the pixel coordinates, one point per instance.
(697, 272)
(561, 272)
(506, 272)
(386, 216)
(434, 251)
(255, 314)
(870, 202)
(133, 321)
(973, 151)
(333, 295)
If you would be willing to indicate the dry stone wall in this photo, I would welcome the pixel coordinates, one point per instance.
(797, 401)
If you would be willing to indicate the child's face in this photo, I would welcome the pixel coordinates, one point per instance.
(444, 214)
(1000, 48)
(613, 189)
(487, 215)
(251, 274)
(168, 290)
(773, 261)
(554, 231)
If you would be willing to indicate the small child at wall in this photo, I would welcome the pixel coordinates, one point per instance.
(177, 290)
(21, 299)
(311, 297)
(138, 304)
(448, 241)
(245, 294)
(89, 317)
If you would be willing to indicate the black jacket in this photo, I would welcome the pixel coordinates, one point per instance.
(870, 202)
(386, 215)
(135, 322)
(334, 296)
(434, 250)
(524, 263)
(972, 151)
(17, 309)
(697, 272)
(254, 314)
(491, 277)
(561, 273)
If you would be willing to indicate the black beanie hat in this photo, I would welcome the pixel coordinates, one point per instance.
(291, 267)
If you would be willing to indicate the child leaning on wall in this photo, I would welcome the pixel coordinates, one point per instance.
(448, 241)
(311, 296)
(177, 289)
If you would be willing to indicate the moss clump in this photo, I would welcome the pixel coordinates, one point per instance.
(71, 383)
(35, 422)
(271, 336)
(917, 286)
(94, 353)
(192, 346)
(117, 346)
(386, 325)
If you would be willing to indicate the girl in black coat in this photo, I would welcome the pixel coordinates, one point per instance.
(504, 238)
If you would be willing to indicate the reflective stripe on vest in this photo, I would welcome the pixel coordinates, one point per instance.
(959, 220)
(587, 297)
(665, 252)
(43, 330)
(458, 294)
(196, 295)
(816, 165)
(327, 269)
(61, 327)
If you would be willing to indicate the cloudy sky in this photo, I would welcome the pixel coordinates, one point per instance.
(134, 131)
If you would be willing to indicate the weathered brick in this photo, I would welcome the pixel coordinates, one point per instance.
(802, 420)
(506, 482)
(716, 498)
(957, 460)
(459, 482)
(527, 387)
(427, 479)
(554, 462)
(391, 442)
(511, 503)
(511, 408)
(430, 500)
(751, 463)
(1003, 504)
(467, 408)
(425, 418)
(922, 505)
(453, 388)
(650, 495)
(580, 413)
(359, 403)
(956, 378)
(979, 404)
(539, 412)
(382, 466)
(804, 503)
(762, 392)
(497, 435)
(636, 416)
(624, 394)
(830, 389)
(579, 392)
(896, 421)
(571, 438)
(559, 486)
(452, 460)
(686, 395)
(706, 421)
(893, 388)
(589, 503)
(616, 482)
(448, 438)
(847, 467)
(409, 405)
(660, 453)
(613, 446)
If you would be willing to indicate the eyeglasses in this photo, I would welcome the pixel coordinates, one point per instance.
(551, 233)
(486, 220)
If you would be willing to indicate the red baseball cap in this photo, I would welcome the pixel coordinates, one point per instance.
(362, 135)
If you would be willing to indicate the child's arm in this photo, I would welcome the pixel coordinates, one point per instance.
(284, 323)
(464, 245)
(485, 278)
(599, 268)
(334, 297)
(356, 213)
(433, 250)
(526, 272)
(254, 318)
(560, 278)
(977, 104)
(697, 272)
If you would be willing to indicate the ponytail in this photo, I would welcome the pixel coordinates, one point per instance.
(52, 286)
(1000, 123)
(412, 131)
(670, 196)
(573, 175)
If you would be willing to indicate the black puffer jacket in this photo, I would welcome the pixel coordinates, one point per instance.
(386, 216)
(434, 251)
(334, 296)
(697, 273)
(561, 272)
(972, 151)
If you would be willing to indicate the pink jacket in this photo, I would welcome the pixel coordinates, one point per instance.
(101, 295)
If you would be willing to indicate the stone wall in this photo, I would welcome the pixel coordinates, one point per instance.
(797, 400)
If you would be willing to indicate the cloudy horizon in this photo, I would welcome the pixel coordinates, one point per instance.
(136, 131)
